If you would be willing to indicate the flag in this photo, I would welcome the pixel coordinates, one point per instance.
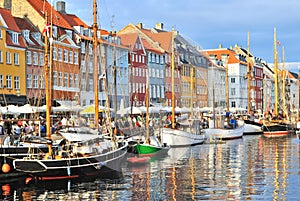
(46, 29)
(278, 43)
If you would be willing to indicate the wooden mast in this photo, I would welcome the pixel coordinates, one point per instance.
(147, 107)
(275, 73)
(227, 84)
(173, 80)
(249, 77)
(95, 44)
(192, 89)
(47, 88)
(284, 105)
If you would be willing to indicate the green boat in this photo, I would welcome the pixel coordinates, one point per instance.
(147, 149)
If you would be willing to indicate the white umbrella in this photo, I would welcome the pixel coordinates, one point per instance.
(27, 109)
(61, 108)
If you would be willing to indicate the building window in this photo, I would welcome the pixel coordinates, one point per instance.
(42, 83)
(71, 57)
(66, 80)
(35, 81)
(66, 55)
(91, 85)
(233, 104)
(16, 59)
(233, 91)
(15, 39)
(54, 54)
(8, 82)
(71, 80)
(29, 81)
(35, 58)
(17, 82)
(76, 81)
(75, 57)
(41, 59)
(1, 81)
(60, 79)
(28, 57)
(0, 33)
(232, 80)
(55, 78)
(1, 56)
(91, 67)
(59, 54)
(8, 58)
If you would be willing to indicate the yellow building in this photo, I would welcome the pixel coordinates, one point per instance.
(12, 61)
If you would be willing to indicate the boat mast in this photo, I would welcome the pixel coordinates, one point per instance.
(249, 77)
(115, 79)
(173, 87)
(47, 88)
(147, 108)
(275, 73)
(284, 105)
(95, 44)
(227, 84)
(192, 89)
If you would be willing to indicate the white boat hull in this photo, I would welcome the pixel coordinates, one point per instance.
(224, 133)
(252, 129)
(176, 138)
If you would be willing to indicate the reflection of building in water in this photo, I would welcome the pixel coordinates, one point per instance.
(140, 182)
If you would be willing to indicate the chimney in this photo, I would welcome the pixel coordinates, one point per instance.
(61, 7)
(139, 25)
(220, 46)
(6, 4)
(159, 26)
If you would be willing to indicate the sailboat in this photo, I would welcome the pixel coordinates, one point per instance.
(78, 154)
(172, 136)
(151, 145)
(279, 125)
(251, 127)
(219, 130)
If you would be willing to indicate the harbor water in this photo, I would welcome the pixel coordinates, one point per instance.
(250, 168)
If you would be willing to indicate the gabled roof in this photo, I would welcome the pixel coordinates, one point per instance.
(73, 20)
(43, 7)
(25, 24)
(219, 52)
(130, 28)
(9, 20)
(128, 39)
(163, 38)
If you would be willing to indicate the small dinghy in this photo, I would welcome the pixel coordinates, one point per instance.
(138, 160)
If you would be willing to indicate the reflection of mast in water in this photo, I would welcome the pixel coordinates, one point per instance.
(280, 174)
(174, 183)
(191, 161)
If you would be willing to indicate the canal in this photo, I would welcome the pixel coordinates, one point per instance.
(250, 168)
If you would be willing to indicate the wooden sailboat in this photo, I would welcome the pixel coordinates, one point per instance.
(224, 130)
(173, 136)
(279, 125)
(151, 145)
(79, 153)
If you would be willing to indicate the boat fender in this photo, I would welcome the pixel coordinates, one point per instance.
(101, 164)
(69, 171)
(5, 168)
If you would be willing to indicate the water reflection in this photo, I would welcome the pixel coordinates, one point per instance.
(246, 169)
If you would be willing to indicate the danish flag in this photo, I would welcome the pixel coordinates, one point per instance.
(46, 29)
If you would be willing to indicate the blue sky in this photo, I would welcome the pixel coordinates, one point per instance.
(208, 22)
